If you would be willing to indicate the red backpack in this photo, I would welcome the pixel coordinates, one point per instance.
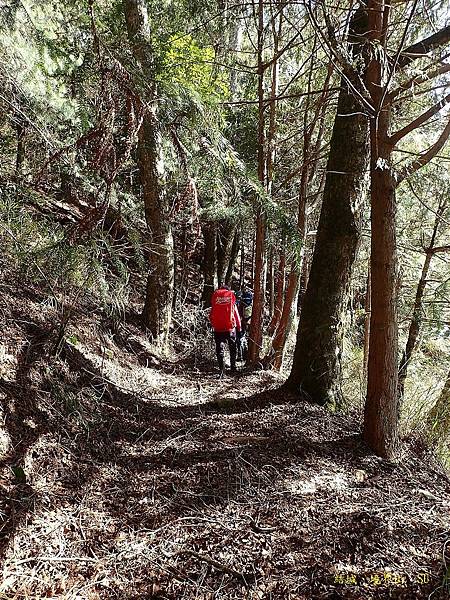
(222, 314)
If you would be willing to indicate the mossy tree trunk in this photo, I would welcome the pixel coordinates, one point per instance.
(316, 369)
(159, 293)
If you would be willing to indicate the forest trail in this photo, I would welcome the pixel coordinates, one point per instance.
(126, 476)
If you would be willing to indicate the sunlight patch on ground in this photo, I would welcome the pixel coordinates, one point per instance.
(334, 482)
(8, 364)
(5, 438)
(44, 461)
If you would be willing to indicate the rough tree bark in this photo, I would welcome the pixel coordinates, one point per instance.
(270, 287)
(157, 310)
(367, 310)
(316, 369)
(382, 408)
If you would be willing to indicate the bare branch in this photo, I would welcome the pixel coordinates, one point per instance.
(425, 158)
(282, 97)
(420, 120)
(422, 48)
(400, 48)
(419, 79)
(343, 66)
(437, 249)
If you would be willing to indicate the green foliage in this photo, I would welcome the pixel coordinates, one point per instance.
(184, 63)
(19, 474)
(37, 252)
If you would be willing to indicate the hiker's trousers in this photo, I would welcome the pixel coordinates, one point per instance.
(222, 338)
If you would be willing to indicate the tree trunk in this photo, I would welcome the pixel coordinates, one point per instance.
(233, 257)
(270, 284)
(316, 369)
(209, 262)
(256, 322)
(382, 405)
(279, 278)
(255, 334)
(157, 310)
(381, 414)
(224, 244)
(275, 355)
(304, 277)
(414, 327)
(368, 310)
(252, 264)
(20, 153)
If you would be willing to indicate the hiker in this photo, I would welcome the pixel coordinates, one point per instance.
(244, 302)
(226, 322)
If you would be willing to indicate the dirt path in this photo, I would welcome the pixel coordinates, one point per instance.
(144, 480)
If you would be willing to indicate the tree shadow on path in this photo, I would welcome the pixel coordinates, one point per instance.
(24, 422)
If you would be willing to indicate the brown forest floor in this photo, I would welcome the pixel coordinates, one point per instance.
(131, 478)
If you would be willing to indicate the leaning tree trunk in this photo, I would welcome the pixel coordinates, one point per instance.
(157, 310)
(275, 355)
(233, 257)
(20, 153)
(279, 278)
(316, 369)
(416, 320)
